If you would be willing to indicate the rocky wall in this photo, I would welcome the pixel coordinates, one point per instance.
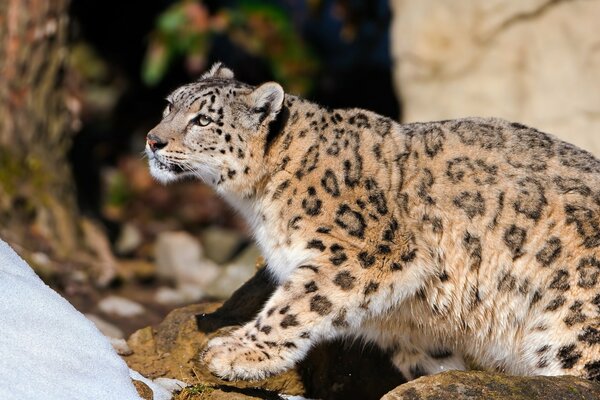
(531, 61)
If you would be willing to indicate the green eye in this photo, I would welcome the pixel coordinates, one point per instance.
(201, 120)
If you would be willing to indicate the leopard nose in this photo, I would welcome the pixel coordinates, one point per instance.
(155, 142)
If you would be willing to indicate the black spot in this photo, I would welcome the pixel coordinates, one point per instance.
(472, 245)
(390, 232)
(284, 310)
(320, 304)
(383, 126)
(323, 229)
(568, 356)
(344, 280)
(376, 196)
(514, 238)
(266, 329)
(396, 266)
(588, 270)
(471, 203)
(560, 280)
(579, 159)
(590, 335)
(531, 199)
(340, 319)
(315, 244)
(280, 189)
(289, 345)
(311, 287)
(586, 223)
(592, 370)
(550, 252)
(312, 204)
(330, 183)
(360, 120)
(571, 185)
(351, 221)
(575, 315)
(230, 173)
(293, 222)
(366, 260)
(433, 139)
(556, 303)
(227, 137)
(289, 320)
(479, 134)
(409, 255)
(338, 256)
(309, 161)
(507, 282)
(426, 183)
(311, 267)
(370, 288)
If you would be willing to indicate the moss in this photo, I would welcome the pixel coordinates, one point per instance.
(198, 391)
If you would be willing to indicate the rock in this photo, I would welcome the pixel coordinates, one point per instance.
(179, 257)
(335, 370)
(106, 328)
(120, 346)
(180, 295)
(501, 58)
(473, 385)
(135, 269)
(235, 274)
(220, 244)
(130, 238)
(120, 307)
(143, 390)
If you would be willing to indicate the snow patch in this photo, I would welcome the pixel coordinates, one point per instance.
(48, 349)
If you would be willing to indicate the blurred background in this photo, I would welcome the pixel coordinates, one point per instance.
(81, 82)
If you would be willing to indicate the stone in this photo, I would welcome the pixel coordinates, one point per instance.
(478, 385)
(120, 346)
(179, 257)
(220, 245)
(120, 307)
(143, 390)
(106, 328)
(129, 239)
(235, 274)
(531, 61)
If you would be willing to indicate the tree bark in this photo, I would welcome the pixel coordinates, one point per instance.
(37, 203)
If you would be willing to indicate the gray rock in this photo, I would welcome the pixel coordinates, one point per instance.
(220, 244)
(477, 385)
(179, 257)
(501, 58)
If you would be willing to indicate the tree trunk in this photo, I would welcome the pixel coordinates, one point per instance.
(38, 210)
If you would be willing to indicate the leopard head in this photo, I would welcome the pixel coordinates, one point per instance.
(214, 129)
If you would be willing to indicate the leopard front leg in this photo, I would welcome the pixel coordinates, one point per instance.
(307, 308)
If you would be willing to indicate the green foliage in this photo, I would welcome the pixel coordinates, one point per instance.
(187, 30)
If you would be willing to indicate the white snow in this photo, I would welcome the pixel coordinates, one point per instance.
(49, 350)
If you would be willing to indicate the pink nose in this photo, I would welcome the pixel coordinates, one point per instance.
(154, 142)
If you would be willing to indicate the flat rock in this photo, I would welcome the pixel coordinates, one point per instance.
(475, 385)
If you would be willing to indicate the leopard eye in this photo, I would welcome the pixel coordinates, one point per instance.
(167, 109)
(201, 120)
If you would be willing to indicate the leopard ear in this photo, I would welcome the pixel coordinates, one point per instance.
(267, 99)
(218, 71)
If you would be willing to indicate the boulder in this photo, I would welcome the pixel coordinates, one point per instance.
(477, 385)
(530, 61)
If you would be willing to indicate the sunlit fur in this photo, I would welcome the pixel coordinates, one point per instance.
(473, 239)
